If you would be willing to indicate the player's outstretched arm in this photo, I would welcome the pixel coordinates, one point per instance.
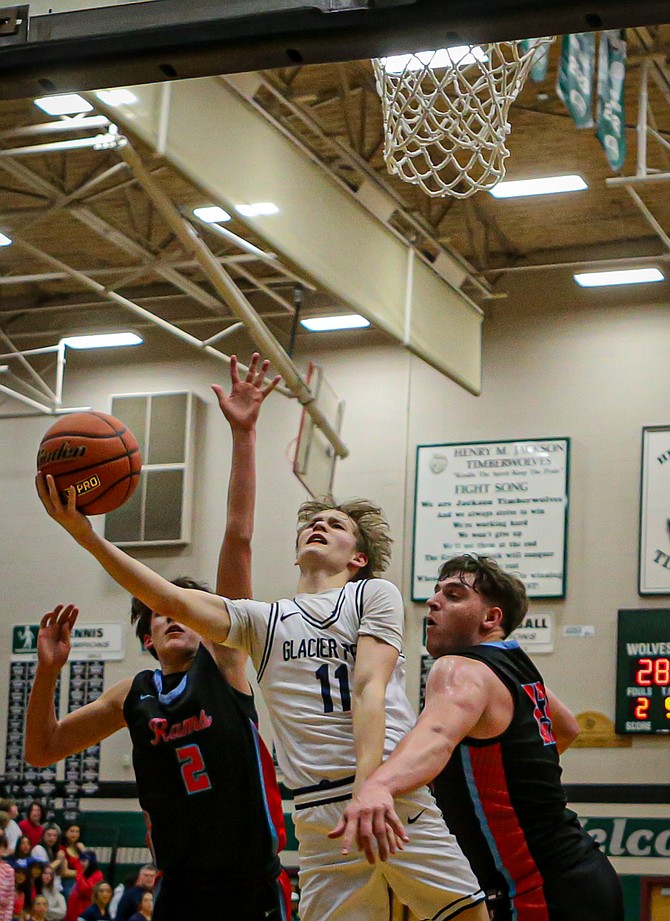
(457, 694)
(48, 739)
(241, 408)
(203, 612)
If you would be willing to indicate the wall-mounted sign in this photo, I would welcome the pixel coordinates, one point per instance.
(624, 837)
(504, 499)
(536, 633)
(88, 641)
(654, 563)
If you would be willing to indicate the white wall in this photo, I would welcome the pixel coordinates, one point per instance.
(596, 376)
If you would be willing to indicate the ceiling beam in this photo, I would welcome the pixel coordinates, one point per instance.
(340, 244)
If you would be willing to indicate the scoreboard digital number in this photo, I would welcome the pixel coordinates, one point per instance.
(643, 672)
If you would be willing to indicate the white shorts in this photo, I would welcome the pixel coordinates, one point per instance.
(430, 875)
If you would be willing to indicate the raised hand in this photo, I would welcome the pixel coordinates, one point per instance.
(65, 513)
(242, 405)
(53, 639)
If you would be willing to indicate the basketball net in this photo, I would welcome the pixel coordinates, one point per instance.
(446, 113)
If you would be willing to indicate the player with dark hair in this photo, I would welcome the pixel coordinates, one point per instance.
(199, 761)
(489, 738)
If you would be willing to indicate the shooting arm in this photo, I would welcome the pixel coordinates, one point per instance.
(49, 740)
(203, 612)
(564, 724)
(375, 661)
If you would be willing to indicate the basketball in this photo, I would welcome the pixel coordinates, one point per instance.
(94, 454)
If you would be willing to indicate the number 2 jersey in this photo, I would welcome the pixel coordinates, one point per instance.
(304, 651)
(205, 780)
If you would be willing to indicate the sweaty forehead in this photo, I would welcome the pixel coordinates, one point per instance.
(462, 579)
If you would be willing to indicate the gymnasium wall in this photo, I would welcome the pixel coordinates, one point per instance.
(596, 376)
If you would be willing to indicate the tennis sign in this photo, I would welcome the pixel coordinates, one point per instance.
(88, 641)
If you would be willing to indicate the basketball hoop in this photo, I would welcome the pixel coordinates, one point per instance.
(445, 113)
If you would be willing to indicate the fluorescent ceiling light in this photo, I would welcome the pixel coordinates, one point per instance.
(620, 277)
(343, 321)
(212, 214)
(5, 240)
(116, 97)
(259, 207)
(102, 341)
(68, 104)
(514, 188)
(459, 55)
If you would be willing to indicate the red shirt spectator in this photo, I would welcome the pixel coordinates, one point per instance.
(82, 893)
(32, 826)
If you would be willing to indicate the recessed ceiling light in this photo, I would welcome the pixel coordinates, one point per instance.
(118, 97)
(619, 277)
(259, 207)
(549, 185)
(5, 240)
(212, 214)
(459, 55)
(68, 104)
(343, 321)
(102, 341)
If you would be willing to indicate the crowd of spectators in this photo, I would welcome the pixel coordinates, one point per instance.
(47, 874)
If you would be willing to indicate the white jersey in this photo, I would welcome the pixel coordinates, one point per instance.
(304, 651)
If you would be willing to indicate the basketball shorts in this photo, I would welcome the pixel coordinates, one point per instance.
(179, 899)
(430, 875)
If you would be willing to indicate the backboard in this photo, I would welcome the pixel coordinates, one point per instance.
(314, 462)
(74, 45)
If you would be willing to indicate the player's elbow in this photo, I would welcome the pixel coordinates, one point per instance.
(568, 732)
(37, 753)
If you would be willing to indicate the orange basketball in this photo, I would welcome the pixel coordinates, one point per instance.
(94, 454)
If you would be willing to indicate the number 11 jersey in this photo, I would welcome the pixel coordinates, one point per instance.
(304, 652)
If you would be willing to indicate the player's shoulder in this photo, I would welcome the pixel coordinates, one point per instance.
(116, 695)
(457, 669)
(377, 589)
(250, 606)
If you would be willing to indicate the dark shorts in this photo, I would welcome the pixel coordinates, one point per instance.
(176, 900)
(589, 891)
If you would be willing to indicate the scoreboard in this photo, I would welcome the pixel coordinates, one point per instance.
(643, 672)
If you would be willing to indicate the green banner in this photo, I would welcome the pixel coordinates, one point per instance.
(623, 837)
(538, 70)
(611, 126)
(576, 70)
